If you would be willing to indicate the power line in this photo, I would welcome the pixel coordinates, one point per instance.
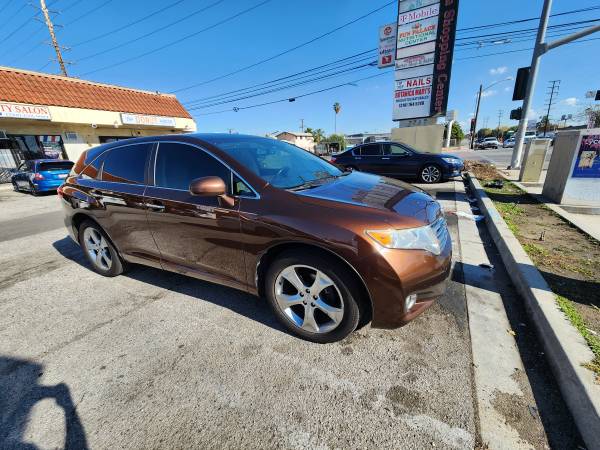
(280, 88)
(87, 13)
(271, 58)
(298, 75)
(157, 30)
(177, 41)
(512, 22)
(294, 98)
(519, 50)
(128, 25)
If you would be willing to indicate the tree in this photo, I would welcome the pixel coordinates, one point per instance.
(339, 138)
(317, 134)
(457, 132)
(337, 108)
(484, 132)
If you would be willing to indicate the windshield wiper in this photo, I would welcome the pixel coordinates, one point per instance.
(314, 183)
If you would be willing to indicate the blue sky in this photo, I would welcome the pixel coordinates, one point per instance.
(277, 26)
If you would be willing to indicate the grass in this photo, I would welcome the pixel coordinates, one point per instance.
(592, 340)
(506, 200)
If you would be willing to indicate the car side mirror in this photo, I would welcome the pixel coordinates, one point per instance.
(211, 187)
(208, 187)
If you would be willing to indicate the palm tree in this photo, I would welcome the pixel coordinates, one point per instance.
(337, 108)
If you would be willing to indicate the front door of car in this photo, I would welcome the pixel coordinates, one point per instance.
(117, 184)
(370, 158)
(198, 236)
(401, 161)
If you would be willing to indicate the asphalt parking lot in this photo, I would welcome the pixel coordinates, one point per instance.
(154, 359)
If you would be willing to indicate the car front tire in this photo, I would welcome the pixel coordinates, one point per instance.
(313, 296)
(430, 174)
(99, 250)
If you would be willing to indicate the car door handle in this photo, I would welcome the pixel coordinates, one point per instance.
(154, 206)
(385, 158)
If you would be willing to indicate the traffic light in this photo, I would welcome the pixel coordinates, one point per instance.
(521, 83)
(515, 114)
(472, 125)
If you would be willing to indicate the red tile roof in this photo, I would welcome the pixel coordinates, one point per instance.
(21, 86)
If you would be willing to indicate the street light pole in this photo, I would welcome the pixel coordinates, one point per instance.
(476, 116)
(540, 48)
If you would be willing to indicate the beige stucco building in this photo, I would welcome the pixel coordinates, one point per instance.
(302, 140)
(44, 115)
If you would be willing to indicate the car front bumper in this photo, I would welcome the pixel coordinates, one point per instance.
(393, 274)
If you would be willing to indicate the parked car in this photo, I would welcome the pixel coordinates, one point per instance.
(509, 143)
(489, 142)
(396, 159)
(41, 175)
(330, 250)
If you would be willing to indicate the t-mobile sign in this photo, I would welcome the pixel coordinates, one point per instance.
(424, 46)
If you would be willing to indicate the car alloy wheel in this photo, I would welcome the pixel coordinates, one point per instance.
(431, 174)
(309, 299)
(97, 248)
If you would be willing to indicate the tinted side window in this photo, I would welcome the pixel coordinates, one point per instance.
(178, 164)
(93, 170)
(370, 150)
(126, 164)
(394, 149)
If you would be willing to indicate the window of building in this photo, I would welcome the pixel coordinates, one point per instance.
(126, 164)
(177, 165)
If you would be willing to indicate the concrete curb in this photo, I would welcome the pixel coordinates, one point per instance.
(565, 348)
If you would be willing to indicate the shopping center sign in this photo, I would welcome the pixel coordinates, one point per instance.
(424, 47)
(387, 45)
(141, 119)
(22, 111)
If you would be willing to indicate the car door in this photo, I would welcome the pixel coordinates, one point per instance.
(117, 185)
(19, 176)
(369, 159)
(198, 236)
(403, 162)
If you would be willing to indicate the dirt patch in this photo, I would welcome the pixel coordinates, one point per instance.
(568, 258)
(404, 399)
(520, 414)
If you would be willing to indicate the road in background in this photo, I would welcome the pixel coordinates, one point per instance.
(500, 157)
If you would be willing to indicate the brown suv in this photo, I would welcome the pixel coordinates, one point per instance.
(330, 250)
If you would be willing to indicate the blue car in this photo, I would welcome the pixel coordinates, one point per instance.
(41, 175)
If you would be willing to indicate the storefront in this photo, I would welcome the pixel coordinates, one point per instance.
(48, 116)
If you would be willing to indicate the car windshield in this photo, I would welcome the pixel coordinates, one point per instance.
(278, 163)
(52, 166)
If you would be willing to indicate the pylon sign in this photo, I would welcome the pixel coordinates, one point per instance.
(424, 46)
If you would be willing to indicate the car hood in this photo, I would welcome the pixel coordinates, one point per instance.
(405, 205)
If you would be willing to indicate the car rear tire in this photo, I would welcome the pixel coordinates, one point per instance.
(33, 190)
(15, 187)
(99, 250)
(313, 295)
(430, 174)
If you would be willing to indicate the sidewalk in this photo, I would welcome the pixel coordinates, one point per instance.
(588, 223)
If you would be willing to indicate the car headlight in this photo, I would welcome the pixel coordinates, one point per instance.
(450, 160)
(421, 238)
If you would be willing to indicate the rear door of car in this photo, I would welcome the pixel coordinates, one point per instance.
(21, 178)
(117, 185)
(369, 159)
(198, 236)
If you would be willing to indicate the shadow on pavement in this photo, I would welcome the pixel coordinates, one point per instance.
(237, 301)
(19, 392)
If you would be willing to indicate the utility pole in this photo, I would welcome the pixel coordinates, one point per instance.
(476, 116)
(50, 26)
(541, 47)
(302, 125)
(500, 112)
(553, 89)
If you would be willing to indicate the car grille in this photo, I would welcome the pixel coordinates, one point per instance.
(440, 227)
